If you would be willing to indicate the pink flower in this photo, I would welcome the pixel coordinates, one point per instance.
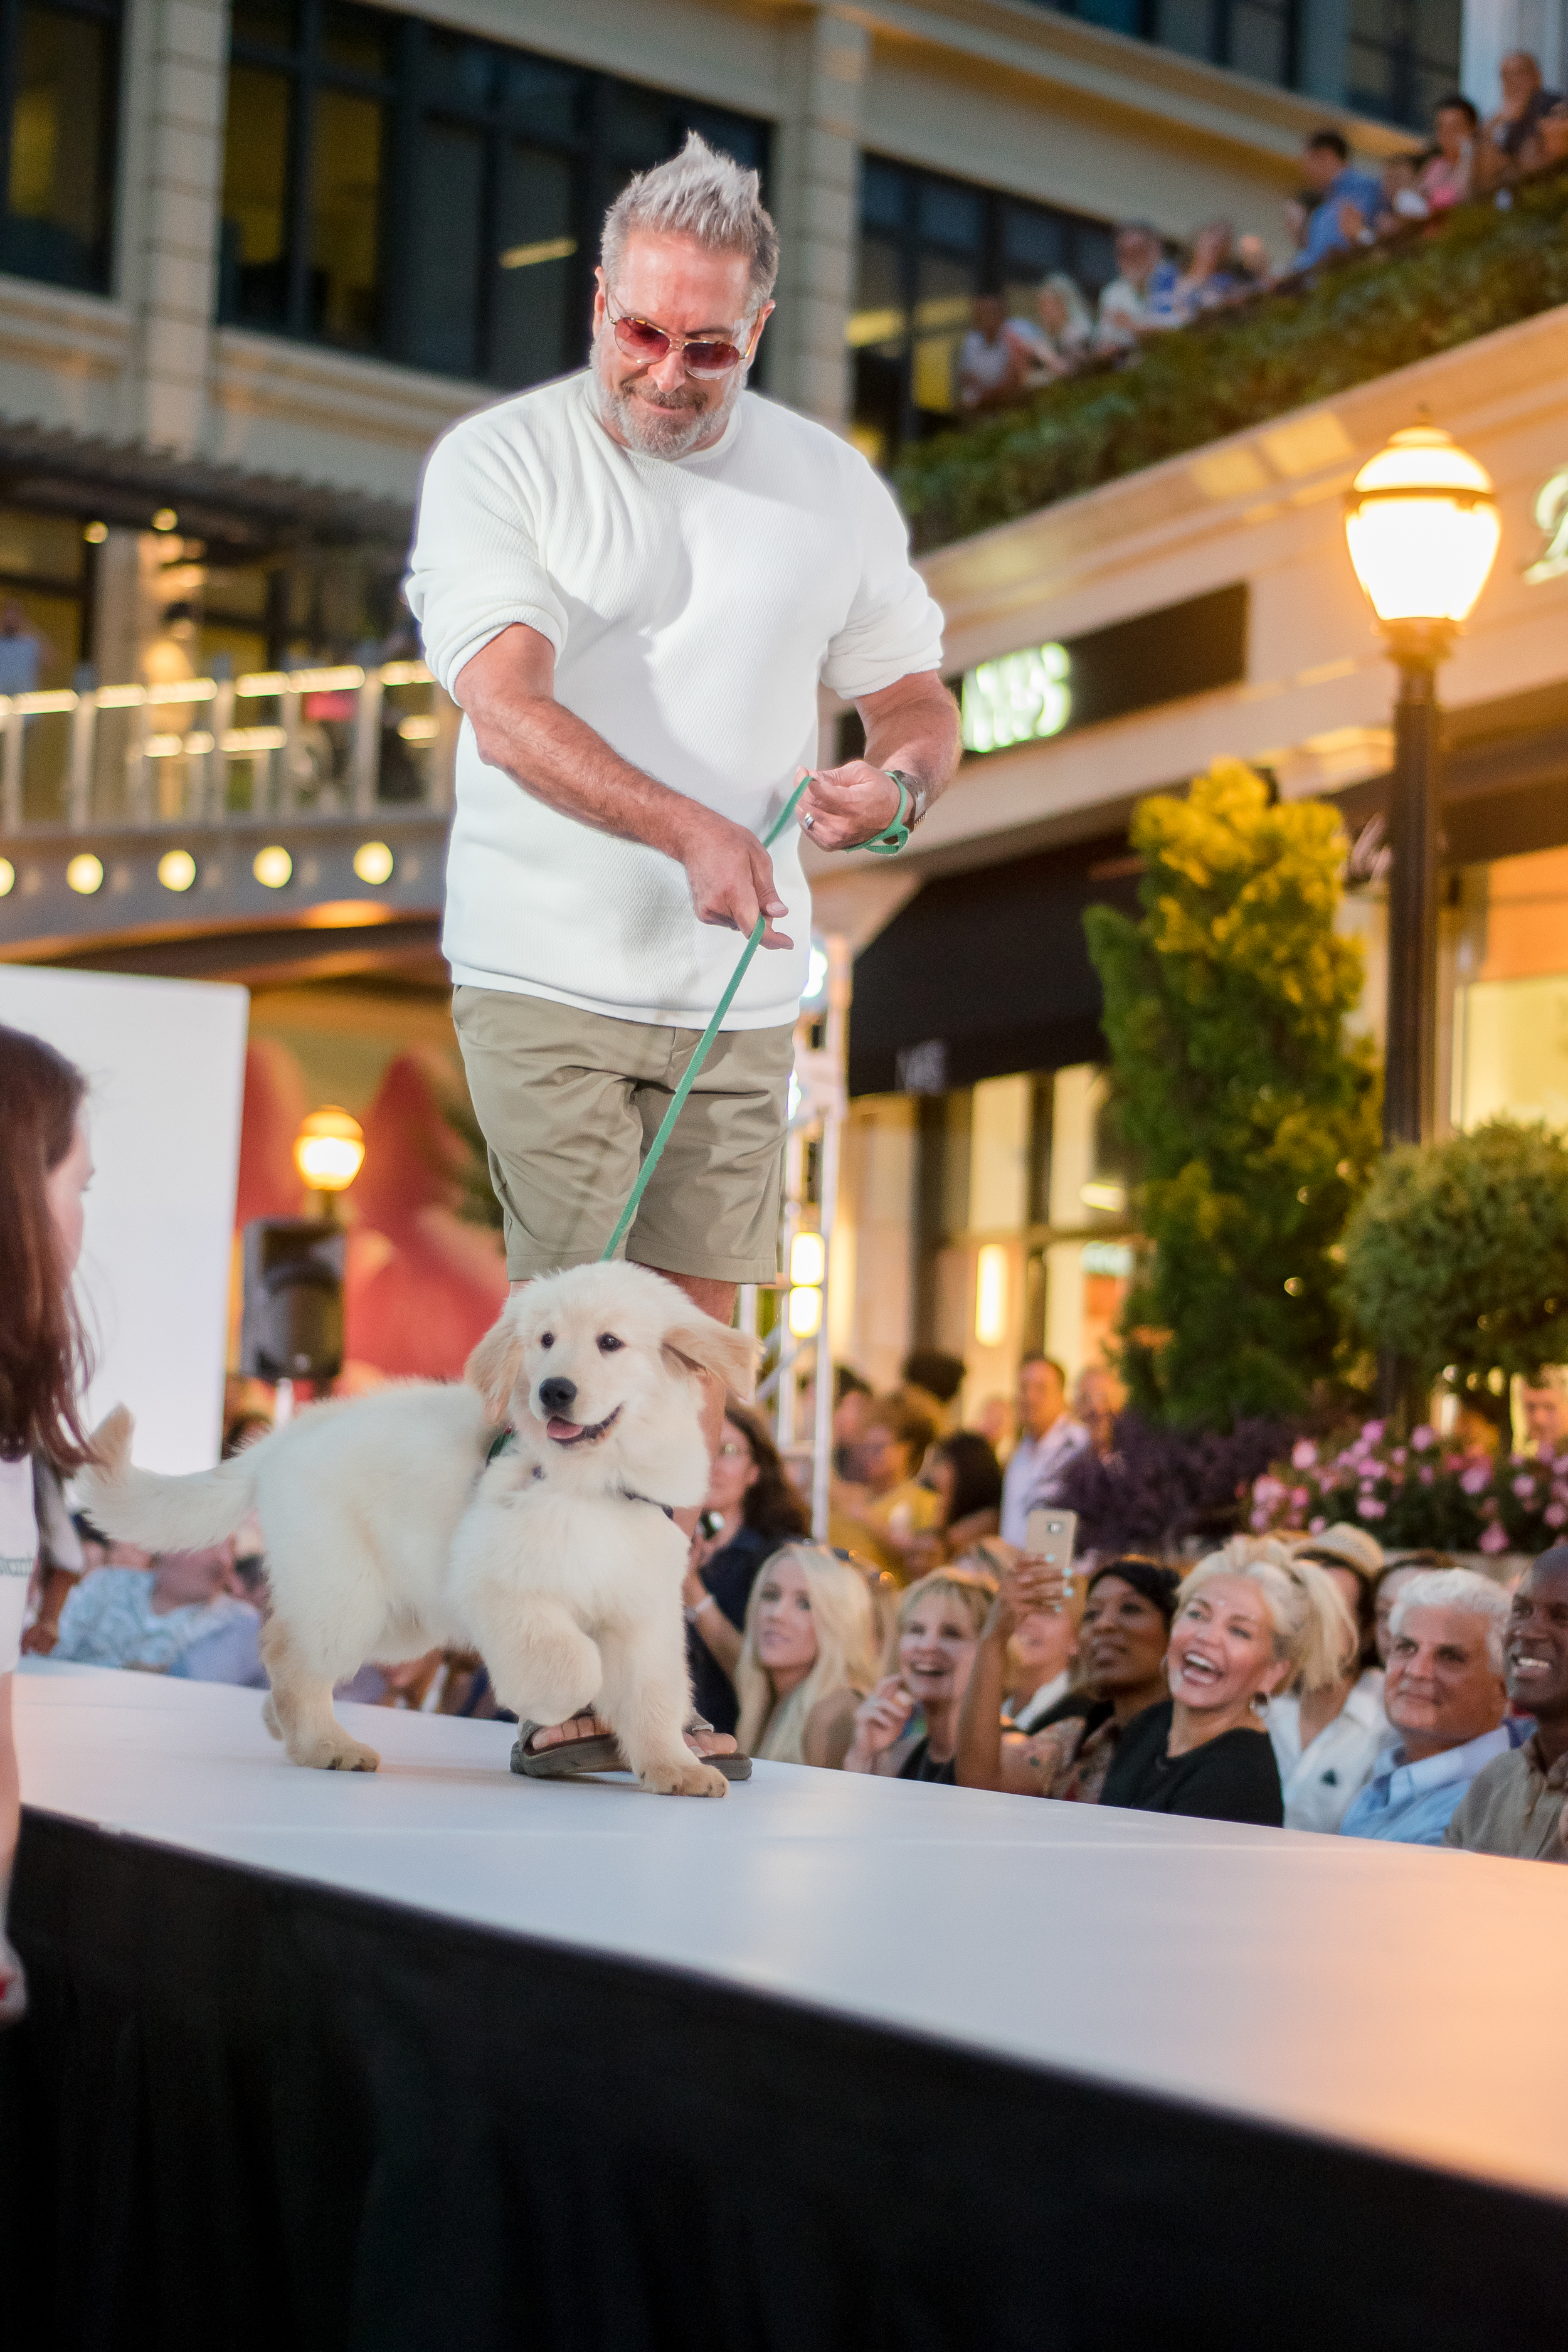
(1524, 1487)
(1369, 1507)
(1400, 1454)
(1260, 1518)
(1554, 1514)
(1300, 1499)
(1426, 1474)
(1494, 1538)
(1372, 1432)
(1422, 1439)
(1303, 1455)
(1477, 1478)
(1315, 1527)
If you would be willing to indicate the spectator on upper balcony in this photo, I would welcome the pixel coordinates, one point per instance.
(1066, 327)
(997, 357)
(1342, 191)
(1401, 198)
(1213, 275)
(1513, 132)
(1449, 177)
(22, 649)
(1141, 299)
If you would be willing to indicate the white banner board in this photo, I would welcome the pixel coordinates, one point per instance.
(164, 1062)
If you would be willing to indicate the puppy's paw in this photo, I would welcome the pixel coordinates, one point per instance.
(269, 1717)
(335, 1753)
(689, 1779)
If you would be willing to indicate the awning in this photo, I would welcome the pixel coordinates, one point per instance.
(987, 972)
(125, 483)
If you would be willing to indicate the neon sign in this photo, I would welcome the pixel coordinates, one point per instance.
(1018, 700)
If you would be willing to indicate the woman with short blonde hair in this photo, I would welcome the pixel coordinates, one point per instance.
(1251, 1620)
(908, 1727)
(807, 1658)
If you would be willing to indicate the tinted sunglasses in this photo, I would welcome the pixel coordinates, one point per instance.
(641, 340)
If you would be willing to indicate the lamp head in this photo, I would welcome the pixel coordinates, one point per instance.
(329, 1151)
(1423, 530)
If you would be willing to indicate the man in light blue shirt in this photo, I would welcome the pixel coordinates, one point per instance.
(1447, 1700)
(1326, 161)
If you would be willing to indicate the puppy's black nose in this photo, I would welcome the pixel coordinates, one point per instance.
(556, 1395)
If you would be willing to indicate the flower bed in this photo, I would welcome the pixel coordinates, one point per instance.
(1438, 286)
(1416, 1495)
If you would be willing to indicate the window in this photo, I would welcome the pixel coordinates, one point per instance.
(394, 187)
(59, 73)
(1400, 57)
(928, 245)
(1251, 36)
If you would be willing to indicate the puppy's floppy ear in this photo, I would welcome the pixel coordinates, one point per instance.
(494, 1366)
(706, 1346)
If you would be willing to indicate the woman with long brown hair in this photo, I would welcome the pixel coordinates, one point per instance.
(46, 1163)
(750, 1510)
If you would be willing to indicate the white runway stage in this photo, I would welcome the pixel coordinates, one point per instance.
(1393, 2000)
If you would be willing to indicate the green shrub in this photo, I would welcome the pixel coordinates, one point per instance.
(1254, 1119)
(1457, 1256)
(1479, 271)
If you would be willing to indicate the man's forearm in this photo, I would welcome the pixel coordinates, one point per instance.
(558, 758)
(919, 736)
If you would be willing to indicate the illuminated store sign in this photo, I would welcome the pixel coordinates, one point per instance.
(1053, 689)
(1551, 516)
(1016, 699)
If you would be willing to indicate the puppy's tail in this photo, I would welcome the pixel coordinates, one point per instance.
(164, 1514)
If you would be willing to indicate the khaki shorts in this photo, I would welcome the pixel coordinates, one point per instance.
(570, 1101)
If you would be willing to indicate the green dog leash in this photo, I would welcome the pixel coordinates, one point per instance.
(887, 843)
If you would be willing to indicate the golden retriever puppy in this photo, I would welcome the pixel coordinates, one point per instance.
(387, 1536)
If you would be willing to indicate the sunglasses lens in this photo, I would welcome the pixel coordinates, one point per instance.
(711, 359)
(640, 340)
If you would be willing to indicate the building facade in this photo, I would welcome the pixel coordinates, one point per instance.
(255, 258)
(1217, 592)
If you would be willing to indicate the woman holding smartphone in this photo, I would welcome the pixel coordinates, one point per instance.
(908, 1729)
(46, 1164)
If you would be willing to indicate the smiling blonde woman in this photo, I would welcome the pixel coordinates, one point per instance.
(807, 1658)
(1250, 1621)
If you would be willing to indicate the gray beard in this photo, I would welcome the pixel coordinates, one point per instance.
(646, 423)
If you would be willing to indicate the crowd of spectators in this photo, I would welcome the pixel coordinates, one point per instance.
(1342, 205)
(1308, 1683)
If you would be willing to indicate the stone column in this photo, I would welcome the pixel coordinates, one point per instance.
(171, 182)
(818, 198)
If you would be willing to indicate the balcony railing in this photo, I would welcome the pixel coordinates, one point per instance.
(342, 740)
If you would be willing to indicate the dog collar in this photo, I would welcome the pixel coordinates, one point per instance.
(505, 1441)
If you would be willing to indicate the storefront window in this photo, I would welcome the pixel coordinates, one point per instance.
(61, 65)
(391, 186)
(1022, 1237)
(1511, 1003)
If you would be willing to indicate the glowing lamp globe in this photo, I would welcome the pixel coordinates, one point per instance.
(1423, 530)
(329, 1151)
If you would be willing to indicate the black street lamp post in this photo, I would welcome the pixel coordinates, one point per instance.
(1423, 531)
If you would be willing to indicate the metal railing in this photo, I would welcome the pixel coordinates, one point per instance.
(338, 741)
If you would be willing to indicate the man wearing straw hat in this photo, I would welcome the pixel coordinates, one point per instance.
(633, 581)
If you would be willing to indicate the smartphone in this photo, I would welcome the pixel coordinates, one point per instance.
(1050, 1534)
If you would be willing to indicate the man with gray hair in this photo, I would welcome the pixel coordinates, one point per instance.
(1446, 1697)
(633, 581)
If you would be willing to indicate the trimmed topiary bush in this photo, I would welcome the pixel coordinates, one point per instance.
(1456, 1258)
(1477, 270)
